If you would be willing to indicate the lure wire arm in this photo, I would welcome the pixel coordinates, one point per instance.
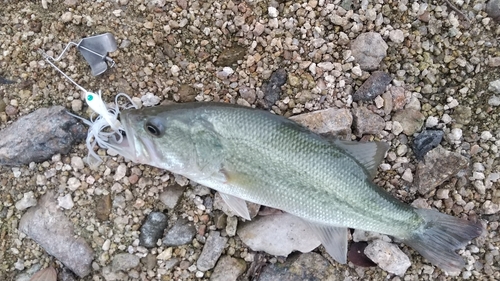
(49, 59)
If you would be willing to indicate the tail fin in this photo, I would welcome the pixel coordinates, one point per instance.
(440, 236)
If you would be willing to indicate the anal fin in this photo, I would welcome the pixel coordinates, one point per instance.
(237, 205)
(334, 239)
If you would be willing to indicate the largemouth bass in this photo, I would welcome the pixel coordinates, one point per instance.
(252, 155)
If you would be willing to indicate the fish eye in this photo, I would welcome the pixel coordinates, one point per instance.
(155, 127)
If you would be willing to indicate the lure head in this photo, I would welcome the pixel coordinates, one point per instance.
(95, 102)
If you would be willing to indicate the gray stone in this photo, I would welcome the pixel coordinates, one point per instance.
(493, 9)
(124, 262)
(310, 266)
(327, 121)
(490, 208)
(438, 166)
(39, 135)
(272, 88)
(27, 201)
(426, 141)
(369, 49)
(494, 101)
(48, 226)
(228, 269)
(367, 122)
(170, 197)
(211, 251)
(278, 234)
(388, 257)
(182, 232)
(231, 226)
(494, 61)
(152, 229)
(462, 115)
(120, 172)
(397, 36)
(387, 96)
(248, 94)
(373, 86)
(398, 98)
(494, 86)
(77, 163)
(410, 119)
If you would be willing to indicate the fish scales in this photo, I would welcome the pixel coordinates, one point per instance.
(304, 174)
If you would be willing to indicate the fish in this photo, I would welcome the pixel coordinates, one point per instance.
(252, 155)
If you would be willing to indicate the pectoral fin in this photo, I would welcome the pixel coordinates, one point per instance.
(334, 239)
(237, 205)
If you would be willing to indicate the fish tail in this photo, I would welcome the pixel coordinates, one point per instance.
(440, 236)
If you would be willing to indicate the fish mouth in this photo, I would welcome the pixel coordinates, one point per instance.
(122, 142)
(130, 144)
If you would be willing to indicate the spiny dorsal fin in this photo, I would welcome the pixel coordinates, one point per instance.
(368, 154)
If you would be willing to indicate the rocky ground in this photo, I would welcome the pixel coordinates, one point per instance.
(422, 76)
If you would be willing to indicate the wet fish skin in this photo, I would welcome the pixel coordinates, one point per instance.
(270, 160)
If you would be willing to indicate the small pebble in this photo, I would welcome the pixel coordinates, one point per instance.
(152, 229)
(388, 256)
(182, 232)
(124, 262)
(373, 86)
(211, 252)
(27, 201)
(426, 141)
(65, 202)
(273, 12)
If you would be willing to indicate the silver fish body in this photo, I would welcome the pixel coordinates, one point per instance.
(270, 160)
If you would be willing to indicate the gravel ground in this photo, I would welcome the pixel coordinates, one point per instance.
(441, 59)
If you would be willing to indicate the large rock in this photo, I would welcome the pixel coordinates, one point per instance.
(438, 166)
(493, 9)
(53, 231)
(410, 119)
(369, 49)
(309, 266)
(278, 235)
(39, 135)
(367, 122)
(327, 121)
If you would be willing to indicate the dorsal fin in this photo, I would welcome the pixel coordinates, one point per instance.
(368, 154)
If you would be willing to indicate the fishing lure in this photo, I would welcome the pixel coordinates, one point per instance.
(105, 126)
(107, 117)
